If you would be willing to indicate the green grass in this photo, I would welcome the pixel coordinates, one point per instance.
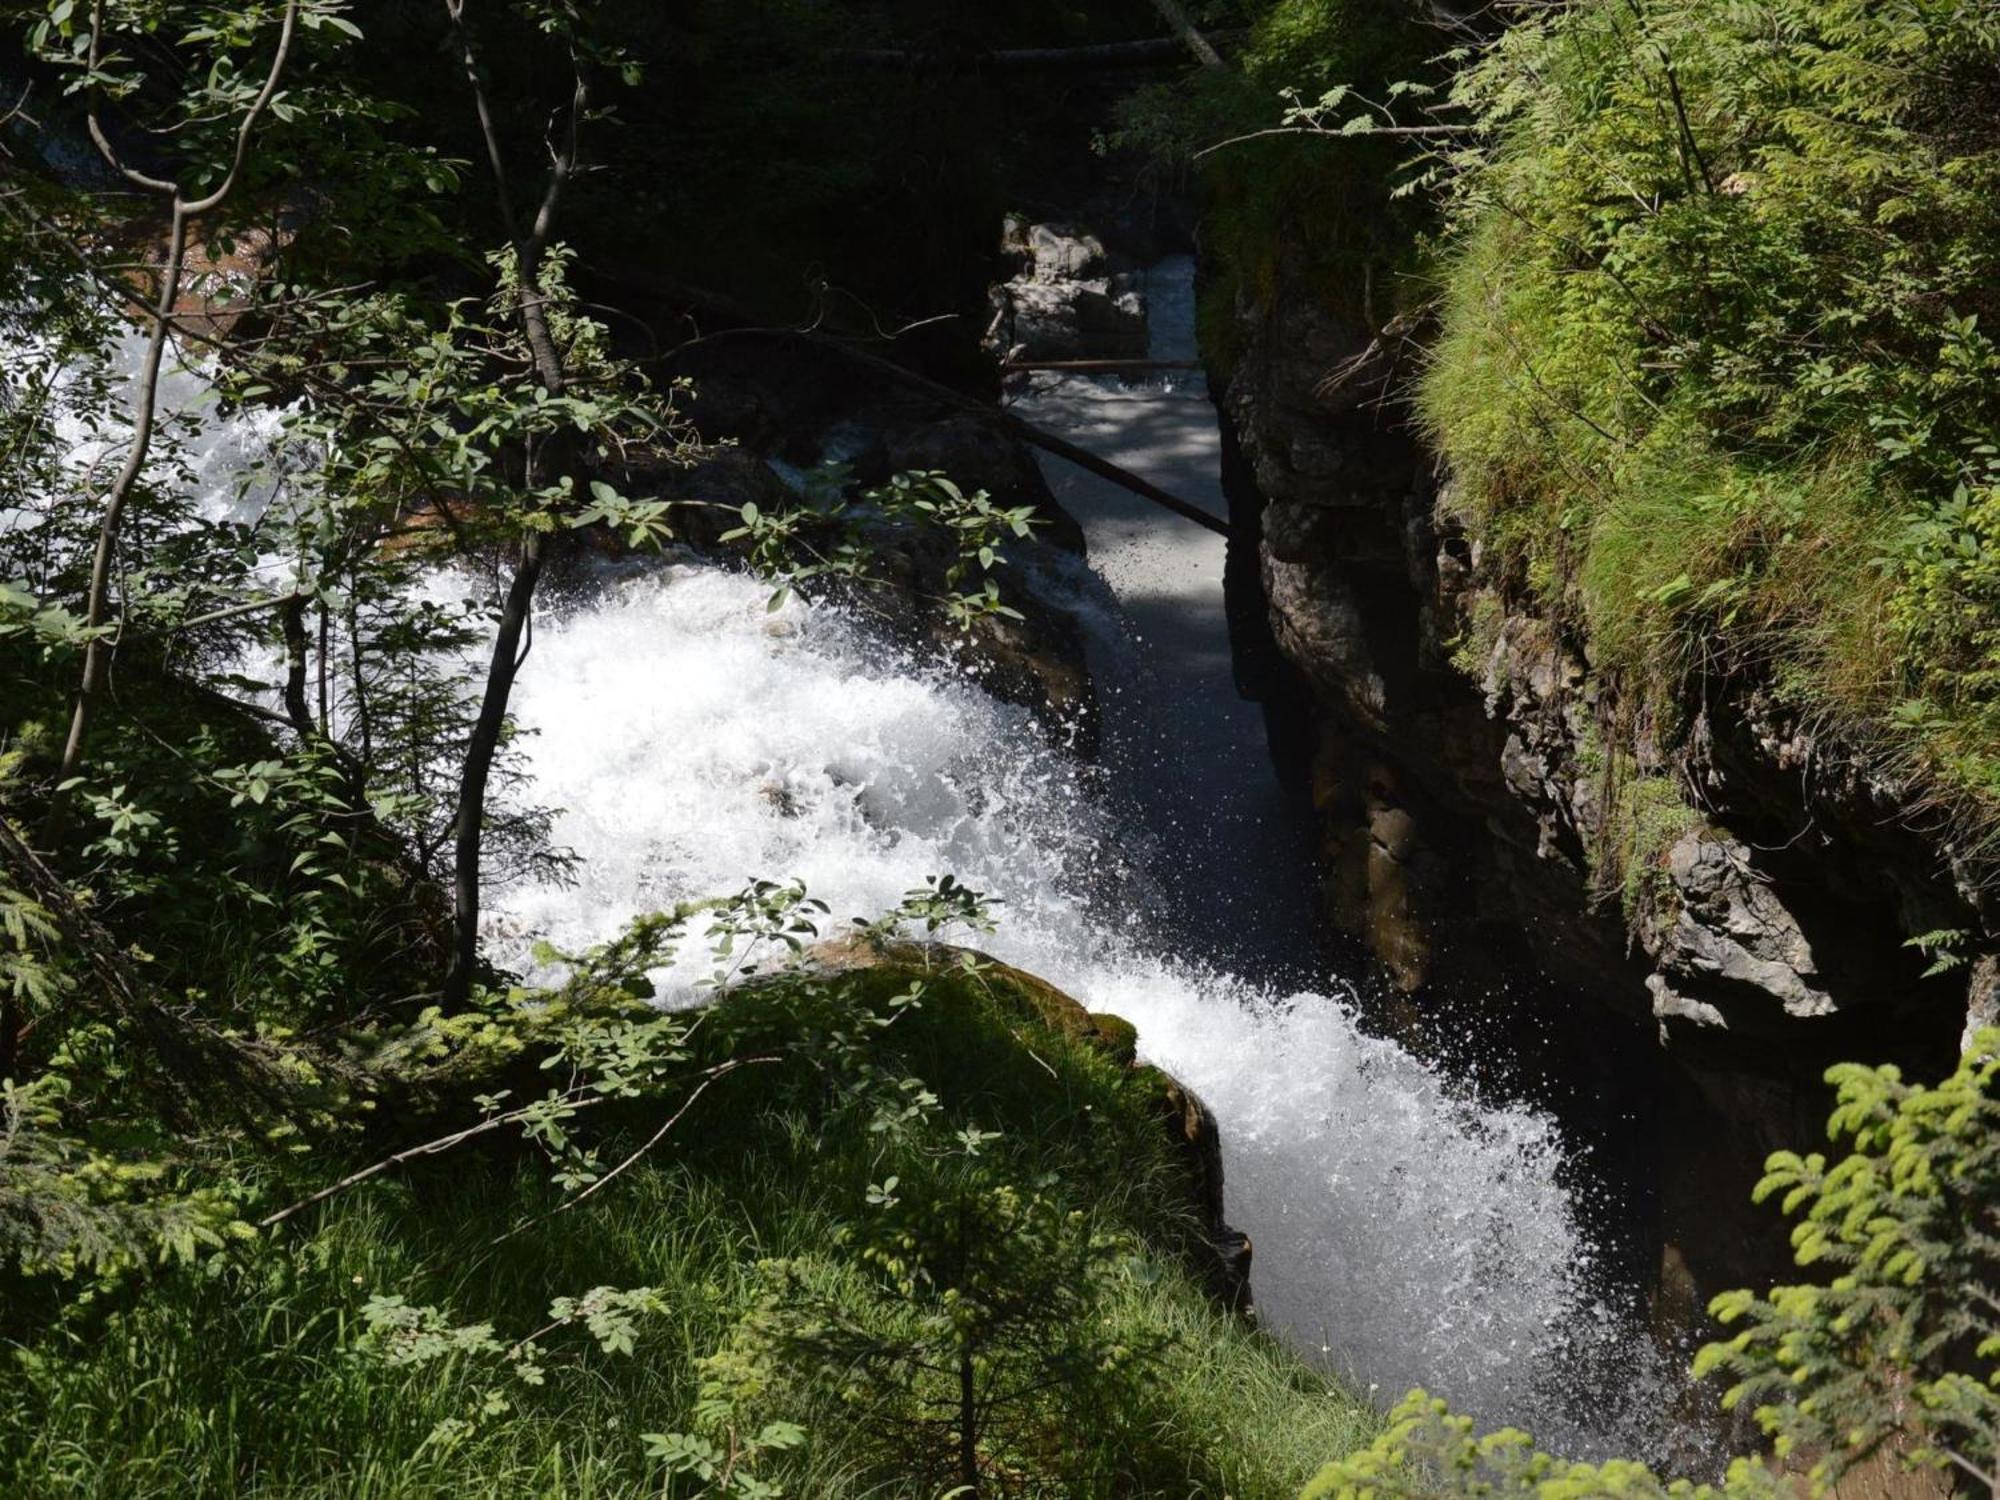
(240, 1376)
(1727, 412)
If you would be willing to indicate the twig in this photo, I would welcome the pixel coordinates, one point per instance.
(1338, 135)
(429, 1148)
(251, 608)
(720, 1071)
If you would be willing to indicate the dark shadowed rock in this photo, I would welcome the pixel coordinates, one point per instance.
(1494, 813)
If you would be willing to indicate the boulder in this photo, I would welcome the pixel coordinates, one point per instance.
(1065, 300)
(1188, 1122)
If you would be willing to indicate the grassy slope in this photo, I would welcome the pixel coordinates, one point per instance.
(1723, 399)
(237, 1377)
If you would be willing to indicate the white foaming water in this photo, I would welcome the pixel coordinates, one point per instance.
(1405, 1235)
(696, 739)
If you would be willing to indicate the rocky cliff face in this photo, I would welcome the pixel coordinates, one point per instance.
(1738, 905)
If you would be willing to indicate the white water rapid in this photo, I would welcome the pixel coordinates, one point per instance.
(1405, 1235)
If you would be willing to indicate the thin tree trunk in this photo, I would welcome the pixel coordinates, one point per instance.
(325, 712)
(96, 651)
(561, 455)
(968, 1423)
(296, 709)
(469, 829)
(1037, 437)
(12, 1020)
(362, 718)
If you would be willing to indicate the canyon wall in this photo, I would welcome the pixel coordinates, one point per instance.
(1517, 849)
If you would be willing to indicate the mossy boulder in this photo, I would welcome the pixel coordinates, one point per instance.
(1036, 1013)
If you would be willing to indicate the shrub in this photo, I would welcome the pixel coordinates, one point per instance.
(1895, 1354)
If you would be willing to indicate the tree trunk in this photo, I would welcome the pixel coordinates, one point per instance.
(968, 1423)
(561, 455)
(294, 617)
(96, 654)
(470, 826)
(1035, 436)
(96, 651)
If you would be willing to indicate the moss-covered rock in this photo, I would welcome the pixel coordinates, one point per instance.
(1037, 1015)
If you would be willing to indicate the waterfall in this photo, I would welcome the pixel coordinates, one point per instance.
(1405, 1234)
(694, 738)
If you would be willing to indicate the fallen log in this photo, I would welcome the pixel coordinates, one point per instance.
(1154, 52)
(1037, 437)
(1175, 15)
(1097, 366)
(1103, 468)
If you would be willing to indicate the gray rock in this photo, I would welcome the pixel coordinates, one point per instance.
(1982, 999)
(1065, 301)
(1318, 623)
(1064, 252)
(1730, 929)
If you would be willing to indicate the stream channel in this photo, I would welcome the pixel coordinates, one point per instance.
(1406, 1231)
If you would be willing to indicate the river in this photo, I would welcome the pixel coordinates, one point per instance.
(1406, 1232)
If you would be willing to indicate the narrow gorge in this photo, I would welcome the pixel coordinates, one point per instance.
(1144, 749)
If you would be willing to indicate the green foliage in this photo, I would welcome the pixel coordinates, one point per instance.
(725, 1471)
(403, 1337)
(1716, 377)
(74, 1209)
(262, 1360)
(1899, 1347)
(1428, 1451)
(828, 537)
(1322, 219)
(1894, 1353)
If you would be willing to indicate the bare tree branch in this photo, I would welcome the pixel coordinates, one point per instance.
(97, 650)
